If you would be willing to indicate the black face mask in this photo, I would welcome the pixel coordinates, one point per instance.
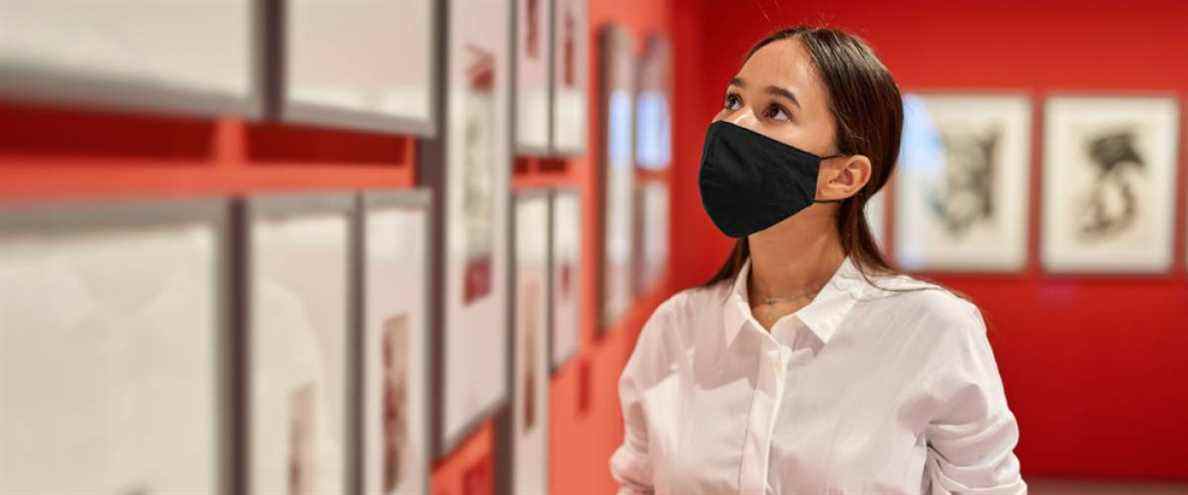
(750, 182)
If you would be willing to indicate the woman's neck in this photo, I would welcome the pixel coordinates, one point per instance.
(794, 257)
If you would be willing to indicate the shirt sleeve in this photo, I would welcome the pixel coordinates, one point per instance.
(631, 465)
(971, 442)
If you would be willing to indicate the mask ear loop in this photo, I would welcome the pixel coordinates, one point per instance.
(830, 200)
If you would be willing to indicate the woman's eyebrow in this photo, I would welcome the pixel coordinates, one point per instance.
(778, 91)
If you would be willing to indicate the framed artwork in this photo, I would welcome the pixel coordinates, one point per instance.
(530, 377)
(300, 324)
(1109, 183)
(335, 73)
(962, 191)
(533, 35)
(618, 172)
(566, 260)
(397, 261)
(653, 117)
(115, 331)
(652, 253)
(193, 58)
(569, 83)
(473, 168)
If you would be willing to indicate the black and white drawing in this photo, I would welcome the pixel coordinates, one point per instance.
(962, 184)
(1109, 183)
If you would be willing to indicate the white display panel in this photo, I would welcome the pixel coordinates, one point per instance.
(570, 79)
(475, 216)
(113, 348)
(618, 66)
(396, 345)
(365, 64)
(962, 186)
(534, 35)
(566, 272)
(1109, 183)
(299, 252)
(653, 114)
(530, 389)
(191, 56)
(654, 221)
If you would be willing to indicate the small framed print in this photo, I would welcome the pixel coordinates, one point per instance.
(962, 191)
(472, 166)
(194, 58)
(618, 173)
(566, 270)
(1109, 183)
(530, 377)
(653, 223)
(335, 74)
(569, 85)
(534, 52)
(116, 330)
(300, 320)
(653, 114)
(395, 415)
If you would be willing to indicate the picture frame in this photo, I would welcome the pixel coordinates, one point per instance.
(132, 58)
(962, 195)
(1109, 183)
(653, 108)
(300, 283)
(118, 274)
(530, 372)
(653, 219)
(566, 257)
(333, 75)
(394, 431)
(570, 81)
(617, 177)
(534, 76)
(470, 164)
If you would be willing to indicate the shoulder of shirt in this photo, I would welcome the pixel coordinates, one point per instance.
(936, 305)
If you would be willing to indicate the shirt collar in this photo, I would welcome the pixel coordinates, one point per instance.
(822, 316)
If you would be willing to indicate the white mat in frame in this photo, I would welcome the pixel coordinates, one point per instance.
(336, 75)
(395, 417)
(115, 362)
(566, 272)
(1109, 183)
(530, 373)
(299, 269)
(193, 57)
(533, 75)
(963, 186)
(570, 81)
(618, 173)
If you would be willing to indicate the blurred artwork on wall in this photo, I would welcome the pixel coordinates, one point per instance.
(1109, 183)
(395, 341)
(300, 254)
(566, 258)
(474, 175)
(112, 333)
(618, 173)
(531, 373)
(570, 79)
(533, 74)
(962, 185)
(653, 116)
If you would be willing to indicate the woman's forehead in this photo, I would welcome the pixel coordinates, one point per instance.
(783, 63)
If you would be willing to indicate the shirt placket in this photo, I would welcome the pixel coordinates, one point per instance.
(765, 403)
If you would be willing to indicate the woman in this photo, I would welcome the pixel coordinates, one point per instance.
(807, 365)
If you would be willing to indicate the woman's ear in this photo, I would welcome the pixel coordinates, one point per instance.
(843, 177)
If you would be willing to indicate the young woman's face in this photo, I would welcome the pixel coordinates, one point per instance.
(777, 93)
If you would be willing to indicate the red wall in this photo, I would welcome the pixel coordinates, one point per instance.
(1093, 366)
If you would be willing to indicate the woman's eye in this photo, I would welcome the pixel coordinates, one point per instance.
(776, 112)
(733, 102)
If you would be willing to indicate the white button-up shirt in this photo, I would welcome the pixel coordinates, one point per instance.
(864, 390)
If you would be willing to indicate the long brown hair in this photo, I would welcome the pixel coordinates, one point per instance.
(868, 108)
